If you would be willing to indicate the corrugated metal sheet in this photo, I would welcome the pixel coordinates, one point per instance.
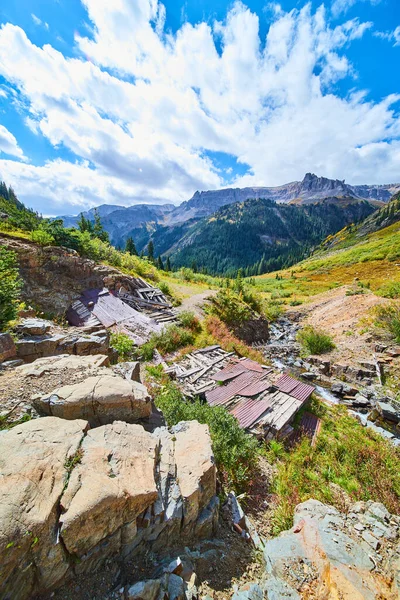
(108, 309)
(297, 389)
(251, 365)
(248, 411)
(224, 393)
(232, 370)
(256, 388)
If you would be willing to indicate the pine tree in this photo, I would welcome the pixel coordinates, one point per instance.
(84, 224)
(168, 265)
(150, 251)
(160, 264)
(130, 247)
(98, 229)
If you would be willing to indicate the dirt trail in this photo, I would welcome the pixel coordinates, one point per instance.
(196, 302)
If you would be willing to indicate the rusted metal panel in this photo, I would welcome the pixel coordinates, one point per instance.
(224, 393)
(248, 411)
(251, 365)
(297, 389)
(231, 371)
(256, 388)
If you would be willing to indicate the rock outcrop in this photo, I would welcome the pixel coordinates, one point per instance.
(7, 347)
(330, 555)
(72, 498)
(99, 399)
(40, 338)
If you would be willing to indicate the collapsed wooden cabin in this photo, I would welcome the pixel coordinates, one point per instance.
(130, 303)
(263, 404)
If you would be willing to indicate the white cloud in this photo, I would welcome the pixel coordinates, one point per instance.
(142, 111)
(39, 22)
(391, 36)
(8, 143)
(342, 6)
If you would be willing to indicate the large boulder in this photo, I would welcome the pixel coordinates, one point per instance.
(71, 499)
(33, 347)
(61, 364)
(33, 326)
(33, 472)
(330, 555)
(100, 399)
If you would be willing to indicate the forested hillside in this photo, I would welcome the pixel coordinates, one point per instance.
(259, 235)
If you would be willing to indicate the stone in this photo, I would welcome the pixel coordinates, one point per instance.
(7, 347)
(249, 591)
(176, 587)
(144, 590)
(72, 499)
(29, 327)
(11, 364)
(196, 467)
(337, 388)
(33, 474)
(99, 399)
(320, 550)
(129, 370)
(388, 412)
(61, 363)
(309, 376)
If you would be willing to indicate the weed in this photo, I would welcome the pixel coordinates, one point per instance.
(123, 344)
(189, 320)
(314, 341)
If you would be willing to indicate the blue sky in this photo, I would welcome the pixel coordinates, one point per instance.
(142, 101)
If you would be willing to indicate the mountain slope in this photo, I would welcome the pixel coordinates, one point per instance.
(310, 189)
(260, 235)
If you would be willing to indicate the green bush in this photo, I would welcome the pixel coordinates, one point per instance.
(388, 317)
(164, 288)
(41, 237)
(272, 310)
(314, 341)
(170, 339)
(229, 306)
(10, 286)
(189, 320)
(390, 290)
(235, 451)
(123, 344)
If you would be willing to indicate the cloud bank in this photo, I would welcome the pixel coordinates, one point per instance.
(143, 110)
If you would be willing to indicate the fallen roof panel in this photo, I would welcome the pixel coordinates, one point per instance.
(224, 393)
(297, 389)
(247, 411)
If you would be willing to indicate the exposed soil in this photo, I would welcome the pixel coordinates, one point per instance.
(195, 303)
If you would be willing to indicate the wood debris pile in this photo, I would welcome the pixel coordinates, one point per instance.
(263, 404)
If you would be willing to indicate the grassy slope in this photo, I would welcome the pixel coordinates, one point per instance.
(372, 259)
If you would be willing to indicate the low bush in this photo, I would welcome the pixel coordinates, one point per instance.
(390, 290)
(314, 341)
(41, 237)
(235, 451)
(123, 344)
(169, 340)
(272, 310)
(228, 306)
(189, 320)
(388, 318)
(10, 286)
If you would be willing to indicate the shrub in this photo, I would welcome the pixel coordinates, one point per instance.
(228, 306)
(10, 286)
(235, 451)
(221, 335)
(42, 238)
(123, 344)
(189, 320)
(170, 339)
(164, 288)
(314, 341)
(390, 290)
(272, 310)
(388, 317)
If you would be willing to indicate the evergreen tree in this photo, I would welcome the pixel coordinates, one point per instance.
(130, 247)
(84, 224)
(168, 264)
(160, 264)
(150, 251)
(142, 254)
(98, 229)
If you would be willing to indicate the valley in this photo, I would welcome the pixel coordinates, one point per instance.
(115, 370)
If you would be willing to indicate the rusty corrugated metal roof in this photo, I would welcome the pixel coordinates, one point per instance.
(232, 370)
(251, 365)
(256, 388)
(247, 411)
(224, 393)
(297, 389)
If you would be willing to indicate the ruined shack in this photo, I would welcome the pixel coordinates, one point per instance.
(128, 303)
(263, 404)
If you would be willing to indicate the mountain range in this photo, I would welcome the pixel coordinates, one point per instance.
(181, 231)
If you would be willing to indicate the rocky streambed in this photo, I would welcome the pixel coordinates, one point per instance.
(356, 385)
